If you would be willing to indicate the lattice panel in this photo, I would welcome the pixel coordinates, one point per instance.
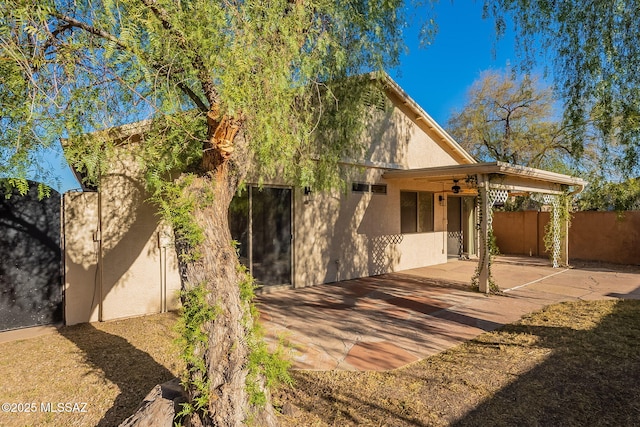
(555, 227)
(459, 239)
(495, 196)
(379, 248)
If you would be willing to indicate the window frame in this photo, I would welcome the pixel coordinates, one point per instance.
(421, 225)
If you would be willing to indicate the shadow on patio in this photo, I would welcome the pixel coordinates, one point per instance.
(387, 321)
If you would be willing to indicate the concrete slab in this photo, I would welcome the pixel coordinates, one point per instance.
(26, 333)
(384, 322)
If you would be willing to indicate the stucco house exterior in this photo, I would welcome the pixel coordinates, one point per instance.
(413, 200)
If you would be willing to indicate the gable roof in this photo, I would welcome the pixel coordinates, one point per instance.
(424, 121)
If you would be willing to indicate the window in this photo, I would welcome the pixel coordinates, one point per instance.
(416, 211)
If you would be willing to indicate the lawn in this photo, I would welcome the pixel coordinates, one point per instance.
(572, 364)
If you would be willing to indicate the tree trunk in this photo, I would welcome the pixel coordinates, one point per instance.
(216, 266)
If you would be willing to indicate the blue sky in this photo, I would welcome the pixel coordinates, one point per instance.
(436, 77)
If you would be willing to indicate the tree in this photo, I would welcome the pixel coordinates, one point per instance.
(604, 195)
(510, 120)
(226, 85)
(595, 47)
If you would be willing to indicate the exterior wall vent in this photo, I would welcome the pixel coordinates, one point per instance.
(379, 188)
(360, 187)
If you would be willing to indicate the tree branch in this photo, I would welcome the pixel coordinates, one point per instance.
(206, 82)
(90, 29)
(73, 22)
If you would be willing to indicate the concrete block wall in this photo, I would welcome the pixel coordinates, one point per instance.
(593, 236)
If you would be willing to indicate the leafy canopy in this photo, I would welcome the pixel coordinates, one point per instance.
(510, 120)
(595, 47)
(72, 68)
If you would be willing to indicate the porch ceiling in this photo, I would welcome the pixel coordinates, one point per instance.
(499, 174)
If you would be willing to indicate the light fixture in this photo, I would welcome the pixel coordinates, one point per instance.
(456, 187)
(307, 195)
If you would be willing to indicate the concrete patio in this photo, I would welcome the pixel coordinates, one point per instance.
(388, 321)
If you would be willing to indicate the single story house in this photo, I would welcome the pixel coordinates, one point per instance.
(415, 199)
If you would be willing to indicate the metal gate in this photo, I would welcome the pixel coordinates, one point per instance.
(30, 260)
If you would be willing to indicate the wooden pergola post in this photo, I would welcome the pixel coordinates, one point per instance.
(483, 262)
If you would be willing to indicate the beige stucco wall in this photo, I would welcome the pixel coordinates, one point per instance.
(80, 219)
(393, 138)
(341, 235)
(338, 235)
(138, 266)
(345, 235)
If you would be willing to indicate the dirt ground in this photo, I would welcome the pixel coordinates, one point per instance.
(86, 375)
(572, 364)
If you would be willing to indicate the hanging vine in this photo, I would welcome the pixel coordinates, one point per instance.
(554, 232)
(491, 253)
(491, 247)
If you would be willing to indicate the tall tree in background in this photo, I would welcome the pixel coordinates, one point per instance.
(228, 85)
(595, 47)
(510, 120)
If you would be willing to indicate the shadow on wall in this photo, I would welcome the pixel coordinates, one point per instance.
(128, 225)
(348, 251)
(133, 371)
(351, 227)
(30, 260)
(388, 137)
(339, 232)
(131, 256)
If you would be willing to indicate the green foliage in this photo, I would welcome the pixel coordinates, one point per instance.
(263, 365)
(564, 216)
(71, 69)
(84, 70)
(602, 195)
(493, 250)
(595, 52)
(17, 186)
(11, 186)
(193, 339)
(247, 286)
(177, 207)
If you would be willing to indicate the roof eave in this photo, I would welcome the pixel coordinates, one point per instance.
(446, 173)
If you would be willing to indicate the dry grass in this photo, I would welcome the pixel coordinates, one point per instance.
(572, 364)
(109, 366)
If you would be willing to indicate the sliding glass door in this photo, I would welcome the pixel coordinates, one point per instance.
(260, 221)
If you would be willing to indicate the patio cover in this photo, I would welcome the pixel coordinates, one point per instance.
(501, 175)
(493, 181)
